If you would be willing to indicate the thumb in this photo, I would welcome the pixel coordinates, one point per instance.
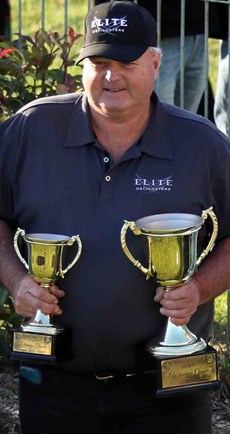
(159, 294)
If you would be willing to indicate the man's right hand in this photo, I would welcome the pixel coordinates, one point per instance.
(29, 296)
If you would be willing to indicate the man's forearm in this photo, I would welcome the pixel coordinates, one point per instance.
(11, 268)
(213, 276)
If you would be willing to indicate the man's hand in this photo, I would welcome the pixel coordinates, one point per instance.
(211, 280)
(179, 303)
(29, 296)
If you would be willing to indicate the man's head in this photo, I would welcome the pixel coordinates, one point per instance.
(118, 30)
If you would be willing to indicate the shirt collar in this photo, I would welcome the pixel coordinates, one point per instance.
(155, 140)
(79, 131)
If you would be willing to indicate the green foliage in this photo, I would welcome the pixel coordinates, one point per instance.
(224, 363)
(36, 67)
(221, 340)
(8, 320)
(223, 350)
(221, 316)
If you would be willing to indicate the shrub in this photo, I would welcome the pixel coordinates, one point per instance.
(34, 68)
(9, 319)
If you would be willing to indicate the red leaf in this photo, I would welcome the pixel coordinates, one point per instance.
(5, 52)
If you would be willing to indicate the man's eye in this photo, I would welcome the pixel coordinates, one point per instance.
(98, 62)
(129, 65)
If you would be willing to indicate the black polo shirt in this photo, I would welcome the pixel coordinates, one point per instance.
(56, 178)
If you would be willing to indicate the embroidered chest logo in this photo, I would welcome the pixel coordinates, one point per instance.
(108, 25)
(153, 185)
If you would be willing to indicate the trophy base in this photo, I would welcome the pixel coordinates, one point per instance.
(45, 345)
(187, 373)
(176, 341)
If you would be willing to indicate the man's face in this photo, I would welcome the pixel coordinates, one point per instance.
(116, 88)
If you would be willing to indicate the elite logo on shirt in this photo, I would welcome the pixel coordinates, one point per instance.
(153, 185)
(108, 25)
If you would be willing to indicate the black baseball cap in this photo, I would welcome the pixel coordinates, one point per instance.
(119, 30)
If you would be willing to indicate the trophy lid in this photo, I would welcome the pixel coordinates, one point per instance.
(170, 223)
(41, 238)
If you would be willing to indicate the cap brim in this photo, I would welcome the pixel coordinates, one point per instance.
(120, 53)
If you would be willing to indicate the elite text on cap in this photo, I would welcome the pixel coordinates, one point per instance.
(118, 30)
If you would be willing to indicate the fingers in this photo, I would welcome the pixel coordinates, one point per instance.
(180, 321)
(33, 301)
(56, 291)
(160, 292)
(179, 303)
(30, 297)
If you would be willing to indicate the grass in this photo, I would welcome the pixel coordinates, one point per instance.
(54, 16)
(213, 59)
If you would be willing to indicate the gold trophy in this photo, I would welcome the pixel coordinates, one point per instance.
(40, 340)
(183, 359)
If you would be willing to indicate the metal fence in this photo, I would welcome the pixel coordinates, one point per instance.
(89, 3)
(42, 4)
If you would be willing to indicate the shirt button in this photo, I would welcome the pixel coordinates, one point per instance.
(108, 178)
(106, 159)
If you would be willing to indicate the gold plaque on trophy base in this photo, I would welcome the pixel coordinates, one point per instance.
(41, 347)
(188, 373)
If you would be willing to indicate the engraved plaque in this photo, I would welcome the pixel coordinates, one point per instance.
(32, 343)
(185, 371)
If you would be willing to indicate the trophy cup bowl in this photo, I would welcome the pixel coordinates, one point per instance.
(171, 241)
(39, 337)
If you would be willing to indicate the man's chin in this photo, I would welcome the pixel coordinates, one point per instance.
(113, 107)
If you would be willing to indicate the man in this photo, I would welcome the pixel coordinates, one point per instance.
(80, 164)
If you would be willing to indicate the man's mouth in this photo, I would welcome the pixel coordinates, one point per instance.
(114, 90)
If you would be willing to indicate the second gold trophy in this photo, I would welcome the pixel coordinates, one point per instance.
(40, 340)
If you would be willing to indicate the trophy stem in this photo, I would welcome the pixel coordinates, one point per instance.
(42, 318)
(176, 341)
(41, 323)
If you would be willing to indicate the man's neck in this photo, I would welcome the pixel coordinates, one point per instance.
(118, 135)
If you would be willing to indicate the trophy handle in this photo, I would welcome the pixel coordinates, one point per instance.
(70, 243)
(205, 214)
(131, 225)
(19, 232)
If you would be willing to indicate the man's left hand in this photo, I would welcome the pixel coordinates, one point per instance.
(179, 303)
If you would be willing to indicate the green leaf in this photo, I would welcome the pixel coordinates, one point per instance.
(3, 295)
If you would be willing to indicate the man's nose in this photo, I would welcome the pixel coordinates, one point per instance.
(112, 73)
